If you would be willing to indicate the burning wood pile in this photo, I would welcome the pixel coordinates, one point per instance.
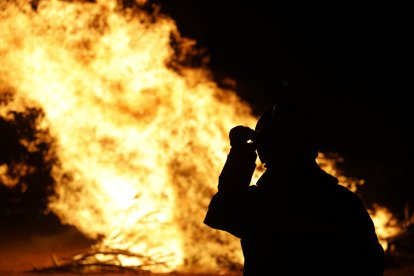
(104, 260)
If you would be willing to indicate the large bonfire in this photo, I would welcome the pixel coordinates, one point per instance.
(139, 138)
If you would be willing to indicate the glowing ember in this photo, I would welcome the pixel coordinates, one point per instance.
(140, 138)
(5, 177)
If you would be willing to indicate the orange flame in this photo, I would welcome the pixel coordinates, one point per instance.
(140, 139)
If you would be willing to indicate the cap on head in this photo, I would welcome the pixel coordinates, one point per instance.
(285, 132)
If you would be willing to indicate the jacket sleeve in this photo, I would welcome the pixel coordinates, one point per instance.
(226, 207)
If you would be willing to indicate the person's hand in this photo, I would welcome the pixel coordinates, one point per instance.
(240, 135)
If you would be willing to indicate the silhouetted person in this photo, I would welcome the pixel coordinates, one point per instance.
(296, 220)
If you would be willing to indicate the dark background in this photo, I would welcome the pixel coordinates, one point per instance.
(349, 64)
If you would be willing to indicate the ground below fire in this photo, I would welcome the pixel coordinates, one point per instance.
(27, 246)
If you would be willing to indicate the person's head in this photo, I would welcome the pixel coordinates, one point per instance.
(285, 133)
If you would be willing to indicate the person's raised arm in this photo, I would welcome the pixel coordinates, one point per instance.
(226, 206)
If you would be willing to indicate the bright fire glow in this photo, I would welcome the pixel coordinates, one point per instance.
(386, 225)
(140, 139)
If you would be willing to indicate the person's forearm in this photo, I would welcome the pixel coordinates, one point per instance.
(238, 170)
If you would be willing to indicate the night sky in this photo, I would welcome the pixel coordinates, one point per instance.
(348, 64)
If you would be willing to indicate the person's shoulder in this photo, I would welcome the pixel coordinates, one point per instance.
(345, 192)
(347, 197)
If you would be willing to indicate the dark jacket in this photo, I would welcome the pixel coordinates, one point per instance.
(300, 223)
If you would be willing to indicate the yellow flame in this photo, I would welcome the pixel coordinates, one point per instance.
(140, 139)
